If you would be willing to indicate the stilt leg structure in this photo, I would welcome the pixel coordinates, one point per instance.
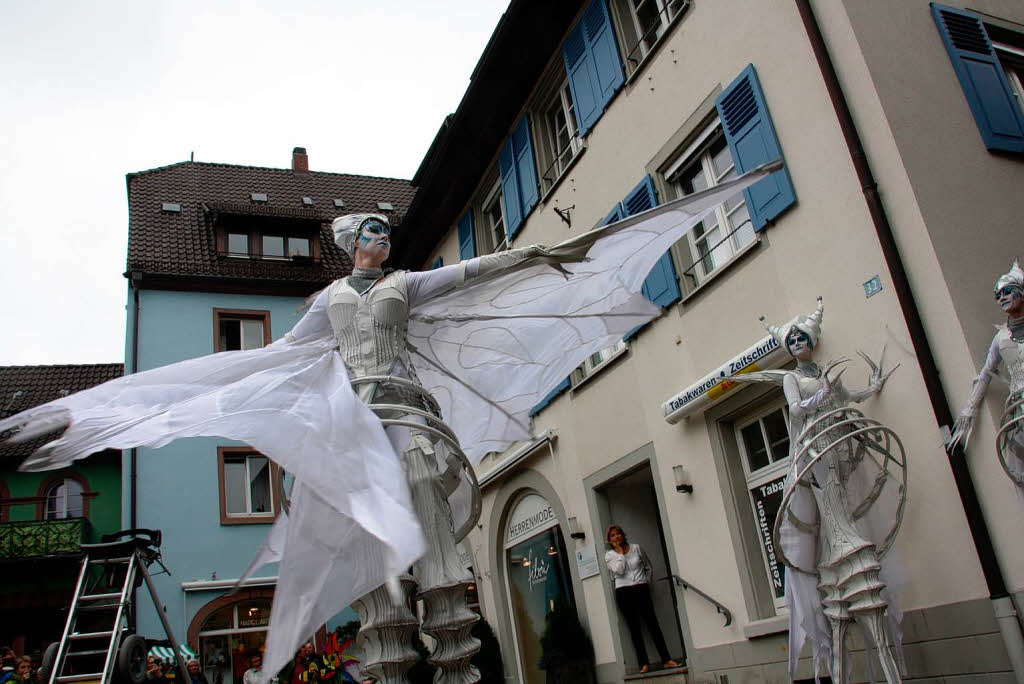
(386, 633)
(848, 564)
(440, 578)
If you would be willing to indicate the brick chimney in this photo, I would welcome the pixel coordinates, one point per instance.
(300, 160)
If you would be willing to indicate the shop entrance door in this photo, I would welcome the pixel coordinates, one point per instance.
(631, 502)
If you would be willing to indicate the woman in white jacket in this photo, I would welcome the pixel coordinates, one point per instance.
(632, 571)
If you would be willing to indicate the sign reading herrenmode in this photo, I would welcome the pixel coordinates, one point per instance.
(531, 515)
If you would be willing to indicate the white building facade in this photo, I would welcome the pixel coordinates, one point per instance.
(583, 113)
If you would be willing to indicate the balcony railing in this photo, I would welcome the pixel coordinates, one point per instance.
(35, 538)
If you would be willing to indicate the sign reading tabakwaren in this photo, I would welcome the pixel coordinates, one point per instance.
(767, 353)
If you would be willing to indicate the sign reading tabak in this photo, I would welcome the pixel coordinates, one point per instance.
(765, 354)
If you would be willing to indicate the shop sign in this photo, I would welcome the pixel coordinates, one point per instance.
(586, 561)
(713, 387)
(256, 621)
(531, 515)
(767, 498)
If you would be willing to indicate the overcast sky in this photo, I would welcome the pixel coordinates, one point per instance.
(90, 91)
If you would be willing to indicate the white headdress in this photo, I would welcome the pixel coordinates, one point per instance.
(807, 324)
(1015, 276)
(347, 227)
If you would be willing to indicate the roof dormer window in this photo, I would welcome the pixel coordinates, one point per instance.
(268, 238)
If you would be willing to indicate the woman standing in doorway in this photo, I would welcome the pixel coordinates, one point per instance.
(632, 571)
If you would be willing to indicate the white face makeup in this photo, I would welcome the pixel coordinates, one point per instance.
(799, 345)
(374, 239)
(1010, 299)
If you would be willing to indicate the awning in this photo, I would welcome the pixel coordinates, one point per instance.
(167, 653)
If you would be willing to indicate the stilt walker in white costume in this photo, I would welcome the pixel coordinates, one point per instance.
(369, 316)
(362, 401)
(1007, 348)
(841, 507)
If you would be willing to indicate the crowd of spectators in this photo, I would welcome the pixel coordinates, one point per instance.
(308, 667)
(17, 669)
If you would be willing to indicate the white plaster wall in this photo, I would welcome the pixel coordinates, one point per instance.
(954, 206)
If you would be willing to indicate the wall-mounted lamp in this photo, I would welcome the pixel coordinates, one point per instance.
(683, 482)
(574, 529)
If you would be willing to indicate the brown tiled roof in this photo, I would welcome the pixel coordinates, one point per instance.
(23, 387)
(165, 243)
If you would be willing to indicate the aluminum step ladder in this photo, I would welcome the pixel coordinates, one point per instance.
(97, 627)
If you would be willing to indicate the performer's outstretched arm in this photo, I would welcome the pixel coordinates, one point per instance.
(965, 421)
(314, 321)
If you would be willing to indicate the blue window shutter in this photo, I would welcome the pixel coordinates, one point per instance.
(467, 236)
(752, 141)
(522, 146)
(510, 189)
(661, 285)
(562, 386)
(615, 215)
(581, 74)
(592, 64)
(438, 263)
(601, 38)
(982, 78)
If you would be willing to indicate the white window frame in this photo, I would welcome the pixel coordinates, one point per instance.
(491, 230)
(668, 11)
(222, 316)
(62, 514)
(559, 103)
(1011, 58)
(727, 247)
(247, 254)
(596, 362)
(226, 455)
(247, 484)
(286, 241)
(762, 475)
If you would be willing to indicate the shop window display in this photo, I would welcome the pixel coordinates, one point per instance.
(538, 578)
(230, 636)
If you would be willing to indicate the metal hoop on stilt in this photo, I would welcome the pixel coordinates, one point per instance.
(866, 438)
(1012, 430)
(422, 405)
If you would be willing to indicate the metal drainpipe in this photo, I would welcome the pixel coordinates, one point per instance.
(134, 457)
(134, 489)
(1002, 602)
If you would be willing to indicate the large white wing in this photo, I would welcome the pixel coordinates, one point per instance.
(490, 351)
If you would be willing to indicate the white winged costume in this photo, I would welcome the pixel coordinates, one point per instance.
(487, 348)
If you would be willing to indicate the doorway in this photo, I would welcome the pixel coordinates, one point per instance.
(631, 502)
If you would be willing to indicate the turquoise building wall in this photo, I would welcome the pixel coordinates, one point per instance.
(177, 485)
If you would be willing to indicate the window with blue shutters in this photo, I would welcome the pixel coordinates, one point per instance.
(644, 24)
(752, 141)
(986, 86)
(727, 231)
(661, 285)
(467, 236)
(438, 263)
(518, 170)
(592, 63)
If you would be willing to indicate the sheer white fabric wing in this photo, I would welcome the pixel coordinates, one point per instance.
(352, 524)
(489, 352)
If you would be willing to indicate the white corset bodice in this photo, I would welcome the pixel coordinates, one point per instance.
(1012, 355)
(371, 328)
